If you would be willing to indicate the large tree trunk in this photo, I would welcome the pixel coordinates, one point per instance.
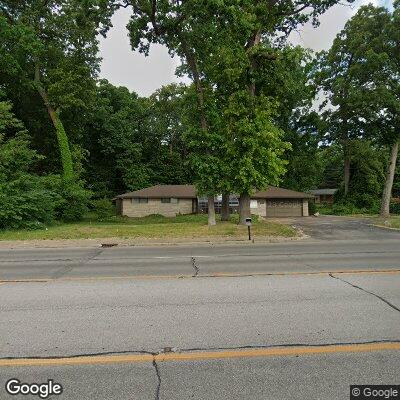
(211, 211)
(387, 191)
(225, 216)
(244, 208)
(254, 41)
(62, 138)
(244, 200)
(347, 162)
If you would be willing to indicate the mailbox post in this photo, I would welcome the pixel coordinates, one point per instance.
(248, 223)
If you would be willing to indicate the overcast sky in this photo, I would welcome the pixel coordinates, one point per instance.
(123, 67)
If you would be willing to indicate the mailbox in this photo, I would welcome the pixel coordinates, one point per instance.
(248, 221)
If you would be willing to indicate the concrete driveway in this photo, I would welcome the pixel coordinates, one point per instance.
(328, 227)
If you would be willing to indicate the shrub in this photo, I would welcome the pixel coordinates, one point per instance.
(312, 207)
(103, 209)
(344, 209)
(395, 208)
(73, 201)
(26, 203)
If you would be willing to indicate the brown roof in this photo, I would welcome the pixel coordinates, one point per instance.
(279, 193)
(189, 192)
(158, 191)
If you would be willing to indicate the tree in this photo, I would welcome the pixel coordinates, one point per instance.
(338, 76)
(170, 24)
(135, 142)
(360, 73)
(367, 171)
(52, 47)
(388, 89)
(165, 147)
(306, 159)
(234, 34)
(25, 200)
(286, 79)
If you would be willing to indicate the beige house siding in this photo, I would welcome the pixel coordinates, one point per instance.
(154, 206)
(260, 209)
(305, 208)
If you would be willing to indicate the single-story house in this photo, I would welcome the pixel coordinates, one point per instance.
(167, 200)
(170, 200)
(324, 195)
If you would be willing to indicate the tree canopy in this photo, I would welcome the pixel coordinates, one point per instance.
(257, 111)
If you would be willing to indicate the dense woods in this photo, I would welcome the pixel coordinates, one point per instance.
(258, 111)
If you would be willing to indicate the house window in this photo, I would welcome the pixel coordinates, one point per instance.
(166, 200)
(139, 200)
(253, 204)
(174, 200)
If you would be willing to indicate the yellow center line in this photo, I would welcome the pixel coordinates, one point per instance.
(203, 355)
(210, 275)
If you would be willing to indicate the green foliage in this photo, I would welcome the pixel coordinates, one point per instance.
(395, 208)
(367, 174)
(25, 203)
(306, 160)
(25, 200)
(66, 156)
(359, 75)
(255, 151)
(72, 200)
(344, 209)
(51, 47)
(312, 208)
(135, 142)
(103, 209)
(234, 139)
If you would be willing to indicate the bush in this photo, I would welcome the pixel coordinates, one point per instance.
(103, 209)
(395, 208)
(312, 207)
(26, 203)
(73, 201)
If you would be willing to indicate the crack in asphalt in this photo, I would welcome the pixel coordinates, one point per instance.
(157, 394)
(195, 267)
(81, 262)
(4, 261)
(366, 291)
(33, 260)
(181, 350)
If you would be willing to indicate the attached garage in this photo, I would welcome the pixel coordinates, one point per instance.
(284, 208)
(279, 202)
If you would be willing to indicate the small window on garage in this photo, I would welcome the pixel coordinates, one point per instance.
(138, 200)
(166, 200)
(174, 200)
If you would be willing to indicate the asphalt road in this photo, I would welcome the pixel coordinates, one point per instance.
(299, 320)
(199, 260)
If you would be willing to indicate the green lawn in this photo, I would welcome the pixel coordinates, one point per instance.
(152, 227)
(391, 222)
